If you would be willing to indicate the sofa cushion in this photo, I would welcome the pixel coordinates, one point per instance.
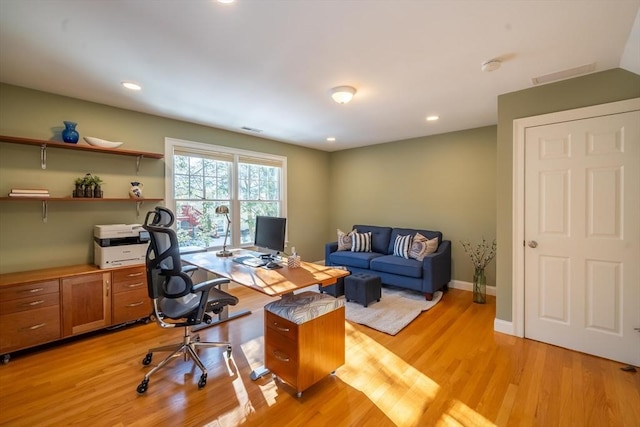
(380, 237)
(422, 246)
(345, 240)
(396, 265)
(402, 245)
(352, 259)
(361, 242)
(404, 231)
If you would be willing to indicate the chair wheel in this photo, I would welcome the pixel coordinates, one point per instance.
(147, 359)
(203, 381)
(142, 387)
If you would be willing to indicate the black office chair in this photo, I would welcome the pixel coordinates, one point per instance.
(177, 301)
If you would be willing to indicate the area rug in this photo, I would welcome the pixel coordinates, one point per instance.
(395, 310)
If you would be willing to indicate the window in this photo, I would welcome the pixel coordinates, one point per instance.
(201, 177)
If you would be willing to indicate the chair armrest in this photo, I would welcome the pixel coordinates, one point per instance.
(329, 248)
(437, 267)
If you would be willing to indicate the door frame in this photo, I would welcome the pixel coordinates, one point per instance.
(518, 208)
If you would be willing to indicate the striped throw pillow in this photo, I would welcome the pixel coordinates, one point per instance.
(361, 242)
(402, 246)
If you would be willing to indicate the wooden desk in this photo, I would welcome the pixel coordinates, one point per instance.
(275, 283)
(270, 282)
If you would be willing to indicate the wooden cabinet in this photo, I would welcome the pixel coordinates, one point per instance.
(130, 298)
(29, 315)
(302, 355)
(41, 306)
(86, 303)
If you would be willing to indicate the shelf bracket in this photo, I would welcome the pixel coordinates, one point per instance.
(43, 156)
(138, 204)
(138, 159)
(45, 209)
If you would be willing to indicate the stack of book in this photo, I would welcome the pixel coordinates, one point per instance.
(28, 192)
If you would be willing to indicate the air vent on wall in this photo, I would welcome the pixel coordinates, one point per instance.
(248, 129)
(564, 74)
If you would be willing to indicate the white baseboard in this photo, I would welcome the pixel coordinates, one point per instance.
(468, 286)
(503, 326)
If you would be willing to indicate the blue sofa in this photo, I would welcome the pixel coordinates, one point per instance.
(431, 274)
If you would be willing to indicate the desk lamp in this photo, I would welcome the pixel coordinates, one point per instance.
(224, 210)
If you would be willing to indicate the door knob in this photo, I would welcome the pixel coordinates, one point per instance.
(532, 244)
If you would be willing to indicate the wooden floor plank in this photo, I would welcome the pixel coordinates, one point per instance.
(448, 367)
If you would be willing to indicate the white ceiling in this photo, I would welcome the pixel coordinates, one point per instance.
(269, 64)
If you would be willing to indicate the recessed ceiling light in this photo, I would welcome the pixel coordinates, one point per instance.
(226, 1)
(432, 118)
(331, 139)
(132, 85)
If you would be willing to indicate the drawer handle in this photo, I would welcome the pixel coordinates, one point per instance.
(134, 274)
(34, 327)
(33, 291)
(136, 304)
(31, 304)
(135, 285)
(281, 356)
(281, 328)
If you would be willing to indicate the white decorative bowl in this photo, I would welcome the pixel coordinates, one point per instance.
(97, 142)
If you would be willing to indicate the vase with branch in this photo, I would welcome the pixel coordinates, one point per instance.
(481, 255)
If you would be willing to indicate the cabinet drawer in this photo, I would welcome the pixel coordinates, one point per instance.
(130, 285)
(30, 289)
(281, 356)
(131, 305)
(30, 303)
(129, 274)
(28, 328)
(281, 326)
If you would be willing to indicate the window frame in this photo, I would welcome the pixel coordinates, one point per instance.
(171, 145)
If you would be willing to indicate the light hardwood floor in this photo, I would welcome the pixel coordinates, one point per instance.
(446, 368)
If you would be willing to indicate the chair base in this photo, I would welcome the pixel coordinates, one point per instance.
(188, 349)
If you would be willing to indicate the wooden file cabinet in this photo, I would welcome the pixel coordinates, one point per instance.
(29, 315)
(130, 297)
(301, 355)
(41, 306)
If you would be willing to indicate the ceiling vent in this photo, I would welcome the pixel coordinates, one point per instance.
(564, 74)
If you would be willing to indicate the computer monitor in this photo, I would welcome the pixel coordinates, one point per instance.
(270, 234)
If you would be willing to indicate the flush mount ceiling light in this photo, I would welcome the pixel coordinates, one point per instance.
(491, 65)
(343, 94)
(331, 139)
(432, 118)
(132, 85)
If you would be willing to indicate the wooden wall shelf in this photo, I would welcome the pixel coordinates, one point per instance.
(43, 144)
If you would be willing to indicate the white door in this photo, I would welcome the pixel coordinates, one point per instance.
(582, 235)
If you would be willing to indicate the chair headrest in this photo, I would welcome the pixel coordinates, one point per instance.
(159, 217)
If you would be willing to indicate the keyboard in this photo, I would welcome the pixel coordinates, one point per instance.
(250, 261)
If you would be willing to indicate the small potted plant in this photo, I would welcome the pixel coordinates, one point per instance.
(97, 186)
(87, 183)
(79, 191)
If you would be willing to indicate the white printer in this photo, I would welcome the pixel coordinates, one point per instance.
(118, 245)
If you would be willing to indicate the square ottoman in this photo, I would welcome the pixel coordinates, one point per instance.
(362, 288)
(336, 290)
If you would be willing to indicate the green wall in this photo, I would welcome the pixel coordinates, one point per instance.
(27, 243)
(598, 88)
(444, 182)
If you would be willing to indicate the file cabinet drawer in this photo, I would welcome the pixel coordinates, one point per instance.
(29, 328)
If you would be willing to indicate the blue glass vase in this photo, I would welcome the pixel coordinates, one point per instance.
(70, 134)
